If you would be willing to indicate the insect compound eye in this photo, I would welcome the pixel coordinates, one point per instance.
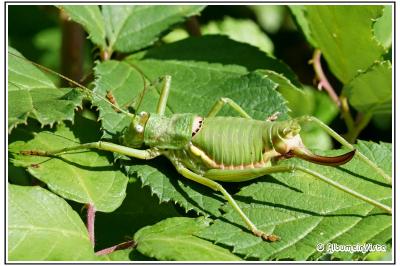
(143, 116)
(139, 128)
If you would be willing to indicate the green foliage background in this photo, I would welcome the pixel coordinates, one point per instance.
(255, 55)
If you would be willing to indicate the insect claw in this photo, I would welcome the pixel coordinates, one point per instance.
(266, 237)
(271, 238)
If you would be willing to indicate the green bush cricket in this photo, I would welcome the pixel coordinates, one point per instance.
(211, 148)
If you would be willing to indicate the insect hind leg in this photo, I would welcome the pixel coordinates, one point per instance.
(218, 187)
(252, 173)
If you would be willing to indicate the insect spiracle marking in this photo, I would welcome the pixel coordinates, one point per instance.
(197, 123)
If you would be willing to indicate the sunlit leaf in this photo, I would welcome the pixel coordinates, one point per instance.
(241, 30)
(85, 176)
(336, 37)
(32, 94)
(173, 239)
(375, 86)
(130, 28)
(42, 226)
(383, 27)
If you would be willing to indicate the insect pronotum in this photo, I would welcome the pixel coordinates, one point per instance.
(207, 149)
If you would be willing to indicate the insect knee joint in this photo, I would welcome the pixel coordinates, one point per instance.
(225, 100)
(151, 153)
(218, 187)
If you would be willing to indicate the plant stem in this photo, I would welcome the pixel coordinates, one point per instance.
(345, 111)
(106, 54)
(91, 212)
(323, 82)
(353, 128)
(360, 125)
(193, 26)
(73, 40)
(123, 245)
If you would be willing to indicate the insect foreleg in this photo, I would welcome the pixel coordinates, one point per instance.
(100, 145)
(217, 174)
(346, 144)
(217, 187)
(223, 101)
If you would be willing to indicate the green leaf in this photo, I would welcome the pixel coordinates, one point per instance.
(221, 50)
(304, 211)
(124, 83)
(377, 153)
(383, 27)
(270, 17)
(337, 38)
(42, 226)
(138, 209)
(24, 74)
(49, 40)
(173, 239)
(290, 92)
(89, 16)
(241, 30)
(18, 176)
(169, 186)
(130, 28)
(371, 91)
(298, 11)
(86, 177)
(196, 86)
(32, 94)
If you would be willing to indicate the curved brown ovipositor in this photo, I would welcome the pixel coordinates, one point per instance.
(324, 160)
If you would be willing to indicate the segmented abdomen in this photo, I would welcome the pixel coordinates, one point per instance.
(233, 141)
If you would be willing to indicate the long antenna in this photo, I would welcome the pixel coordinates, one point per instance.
(140, 96)
(71, 81)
